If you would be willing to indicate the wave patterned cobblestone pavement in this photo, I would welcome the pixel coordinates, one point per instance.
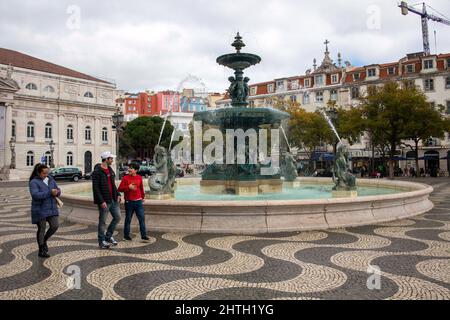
(413, 256)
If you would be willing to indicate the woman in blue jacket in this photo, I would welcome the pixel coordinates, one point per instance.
(44, 190)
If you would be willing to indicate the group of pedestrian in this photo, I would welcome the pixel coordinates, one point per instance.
(45, 203)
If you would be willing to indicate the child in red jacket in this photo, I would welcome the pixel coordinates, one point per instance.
(133, 188)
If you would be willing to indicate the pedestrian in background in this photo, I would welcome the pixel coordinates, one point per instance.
(44, 207)
(133, 187)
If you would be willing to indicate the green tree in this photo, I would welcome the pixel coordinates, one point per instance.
(386, 112)
(425, 121)
(141, 135)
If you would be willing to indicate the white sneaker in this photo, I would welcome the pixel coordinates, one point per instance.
(112, 241)
(104, 245)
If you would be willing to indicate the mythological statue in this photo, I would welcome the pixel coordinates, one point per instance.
(342, 177)
(163, 182)
(289, 167)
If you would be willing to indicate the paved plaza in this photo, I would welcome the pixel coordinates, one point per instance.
(413, 256)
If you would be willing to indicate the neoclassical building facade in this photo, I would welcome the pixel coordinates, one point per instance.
(42, 104)
(344, 84)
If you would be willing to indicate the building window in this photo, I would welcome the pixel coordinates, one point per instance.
(333, 95)
(306, 98)
(307, 83)
(429, 84)
(448, 107)
(356, 77)
(48, 158)
(105, 135)
(319, 96)
(294, 85)
(355, 93)
(270, 88)
(69, 159)
(253, 91)
(293, 98)
(49, 89)
(69, 133)
(391, 71)
(280, 85)
(48, 131)
(87, 134)
(410, 68)
(428, 64)
(30, 158)
(410, 84)
(447, 83)
(318, 80)
(334, 78)
(31, 86)
(372, 72)
(371, 90)
(13, 129)
(88, 94)
(30, 131)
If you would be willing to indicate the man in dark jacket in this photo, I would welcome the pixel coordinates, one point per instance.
(107, 198)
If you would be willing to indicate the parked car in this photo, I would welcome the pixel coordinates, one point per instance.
(146, 171)
(123, 171)
(67, 173)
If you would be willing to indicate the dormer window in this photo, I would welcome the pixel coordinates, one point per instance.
(307, 83)
(410, 68)
(356, 77)
(391, 71)
(270, 88)
(372, 72)
(294, 84)
(334, 78)
(318, 80)
(448, 63)
(428, 64)
(31, 86)
(88, 94)
(253, 91)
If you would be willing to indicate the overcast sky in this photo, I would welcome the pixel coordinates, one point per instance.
(157, 44)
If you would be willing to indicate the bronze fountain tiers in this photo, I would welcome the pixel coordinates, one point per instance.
(242, 179)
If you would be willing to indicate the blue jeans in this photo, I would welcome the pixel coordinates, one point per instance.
(134, 207)
(114, 209)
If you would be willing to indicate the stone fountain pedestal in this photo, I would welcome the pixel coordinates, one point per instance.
(344, 193)
(242, 188)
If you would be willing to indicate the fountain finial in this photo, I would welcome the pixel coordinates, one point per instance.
(238, 43)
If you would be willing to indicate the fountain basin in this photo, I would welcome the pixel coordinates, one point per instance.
(264, 216)
(238, 61)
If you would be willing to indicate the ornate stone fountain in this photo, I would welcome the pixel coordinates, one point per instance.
(242, 179)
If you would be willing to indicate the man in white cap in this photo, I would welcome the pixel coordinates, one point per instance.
(107, 198)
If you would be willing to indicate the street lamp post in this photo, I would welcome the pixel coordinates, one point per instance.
(118, 120)
(12, 145)
(52, 150)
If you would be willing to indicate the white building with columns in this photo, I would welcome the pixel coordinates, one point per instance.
(42, 102)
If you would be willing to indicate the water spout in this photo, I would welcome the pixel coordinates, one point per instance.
(330, 124)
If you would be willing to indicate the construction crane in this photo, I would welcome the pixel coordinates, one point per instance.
(425, 17)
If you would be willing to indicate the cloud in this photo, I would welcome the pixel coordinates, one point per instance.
(155, 45)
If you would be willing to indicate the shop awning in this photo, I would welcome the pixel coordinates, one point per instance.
(322, 156)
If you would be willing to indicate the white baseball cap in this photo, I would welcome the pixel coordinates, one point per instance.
(107, 154)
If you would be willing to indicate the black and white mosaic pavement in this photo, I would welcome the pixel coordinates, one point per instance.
(413, 257)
